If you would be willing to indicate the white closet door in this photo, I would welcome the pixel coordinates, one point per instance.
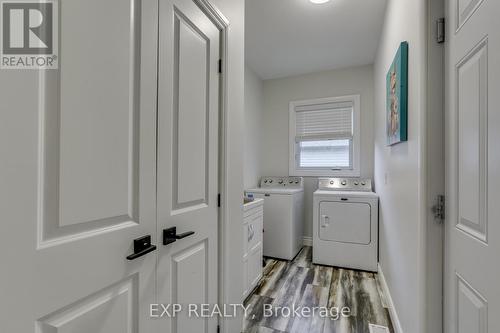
(472, 291)
(188, 141)
(78, 176)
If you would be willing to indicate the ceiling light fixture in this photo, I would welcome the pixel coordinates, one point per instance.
(318, 2)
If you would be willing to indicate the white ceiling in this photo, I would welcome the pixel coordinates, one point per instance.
(291, 37)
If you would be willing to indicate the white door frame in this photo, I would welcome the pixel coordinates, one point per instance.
(434, 165)
(222, 23)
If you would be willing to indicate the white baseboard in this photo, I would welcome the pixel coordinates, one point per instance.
(307, 241)
(392, 310)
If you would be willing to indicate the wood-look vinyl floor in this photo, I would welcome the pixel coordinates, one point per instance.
(304, 284)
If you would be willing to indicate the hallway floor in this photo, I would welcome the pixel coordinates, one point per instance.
(304, 284)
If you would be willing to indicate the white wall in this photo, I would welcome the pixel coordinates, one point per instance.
(254, 118)
(277, 95)
(400, 169)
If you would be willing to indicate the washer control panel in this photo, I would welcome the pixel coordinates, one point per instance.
(277, 182)
(345, 184)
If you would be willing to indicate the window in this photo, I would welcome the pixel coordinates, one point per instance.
(324, 137)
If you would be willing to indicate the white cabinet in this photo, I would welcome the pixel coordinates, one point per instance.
(253, 213)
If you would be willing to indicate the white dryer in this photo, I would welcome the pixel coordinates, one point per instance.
(345, 228)
(283, 215)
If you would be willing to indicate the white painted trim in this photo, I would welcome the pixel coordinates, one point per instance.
(356, 140)
(222, 24)
(307, 241)
(392, 310)
(215, 14)
(433, 232)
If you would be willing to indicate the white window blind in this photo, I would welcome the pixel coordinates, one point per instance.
(324, 121)
(324, 137)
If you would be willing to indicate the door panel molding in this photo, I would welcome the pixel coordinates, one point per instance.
(81, 123)
(118, 301)
(191, 130)
(465, 10)
(472, 112)
(472, 308)
(193, 262)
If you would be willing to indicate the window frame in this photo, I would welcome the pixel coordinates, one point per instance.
(294, 152)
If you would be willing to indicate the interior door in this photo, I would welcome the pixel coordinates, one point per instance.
(472, 291)
(188, 116)
(78, 176)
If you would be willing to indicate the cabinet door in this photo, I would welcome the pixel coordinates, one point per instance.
(253, 230)
(246, 283)
(246, 235)
(254, 262)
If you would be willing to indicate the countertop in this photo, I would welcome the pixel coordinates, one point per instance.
(252, 204)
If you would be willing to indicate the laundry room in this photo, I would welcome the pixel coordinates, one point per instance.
(319, 164)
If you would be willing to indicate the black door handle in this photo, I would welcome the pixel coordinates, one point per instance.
(170, 235)
(142, 246)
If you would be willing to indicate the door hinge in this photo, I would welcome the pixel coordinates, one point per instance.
(220, 66)
(439, 208)
(440, 30)
(218, 200)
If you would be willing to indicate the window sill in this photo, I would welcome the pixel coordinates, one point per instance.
(325, 173)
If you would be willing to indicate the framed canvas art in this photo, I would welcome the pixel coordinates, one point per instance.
(397, 97)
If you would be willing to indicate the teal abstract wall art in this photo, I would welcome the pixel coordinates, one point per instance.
(397, 97)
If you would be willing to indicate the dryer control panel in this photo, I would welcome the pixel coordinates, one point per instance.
(345, 184)
(280, 182)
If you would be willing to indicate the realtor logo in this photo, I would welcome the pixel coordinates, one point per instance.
(29, 34)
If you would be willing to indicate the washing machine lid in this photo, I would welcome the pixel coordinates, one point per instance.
(270, 190)
(346, 194)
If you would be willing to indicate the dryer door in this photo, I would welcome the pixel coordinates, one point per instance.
(347, 222)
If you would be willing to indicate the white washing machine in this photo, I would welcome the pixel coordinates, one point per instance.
(345, 228)
(283, 215)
